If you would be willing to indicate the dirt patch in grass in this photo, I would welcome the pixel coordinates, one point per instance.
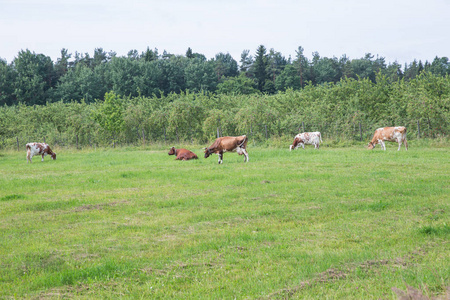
(334, 274)
(98, 206)
(415, 294)
(75, 291)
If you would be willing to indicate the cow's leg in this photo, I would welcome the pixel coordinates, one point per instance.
(406, 144)
(220, 157)
(399, 144)
(303, 146)
(29, 157)
(43, 154)
(245, 155)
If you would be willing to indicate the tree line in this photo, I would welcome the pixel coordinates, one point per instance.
(34, 79)
(337, 109)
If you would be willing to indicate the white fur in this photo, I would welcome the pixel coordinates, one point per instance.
(313, 138)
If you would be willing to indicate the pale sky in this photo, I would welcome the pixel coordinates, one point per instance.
(399, 30)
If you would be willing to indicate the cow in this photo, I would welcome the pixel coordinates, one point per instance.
(39, 148)
(306, 138)
(390, 134)
(228, 144)
(182, 154)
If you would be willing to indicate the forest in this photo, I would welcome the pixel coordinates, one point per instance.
(143, 97)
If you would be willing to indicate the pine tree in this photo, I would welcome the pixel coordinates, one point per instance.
(260, 67)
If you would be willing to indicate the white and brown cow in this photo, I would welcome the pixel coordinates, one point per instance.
(306, 138)
(390, 134)
(182, 154)
(228, 144)
(39, 149)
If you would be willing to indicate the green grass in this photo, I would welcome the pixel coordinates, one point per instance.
(134, 223)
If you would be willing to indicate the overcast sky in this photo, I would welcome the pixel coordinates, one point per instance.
(399, 30)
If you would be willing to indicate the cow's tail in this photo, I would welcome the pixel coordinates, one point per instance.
(243, 141)
(28, 146)
(320, 137)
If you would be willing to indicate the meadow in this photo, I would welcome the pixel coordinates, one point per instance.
(340, 222)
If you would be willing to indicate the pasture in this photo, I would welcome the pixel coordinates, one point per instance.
(134, 223)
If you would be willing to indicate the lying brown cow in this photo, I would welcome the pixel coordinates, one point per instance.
(182, 154)
(228, 144)
(391, 134)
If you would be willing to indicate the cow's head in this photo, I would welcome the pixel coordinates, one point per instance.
(53, 155)
(172, 151)
(208, 152)
(294, 144)
(370, 146)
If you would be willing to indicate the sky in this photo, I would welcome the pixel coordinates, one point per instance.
(398, 30)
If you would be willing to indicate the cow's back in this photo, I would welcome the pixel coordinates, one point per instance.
(185, 154)
(310, 138)
(230, 143)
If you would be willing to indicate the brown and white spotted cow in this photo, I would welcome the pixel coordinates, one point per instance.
(228, 144)
(390, 134)
(39, 149)
(306, 138)
(182, 154)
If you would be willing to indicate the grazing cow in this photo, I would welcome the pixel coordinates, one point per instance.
(39, 148)
(182, 154)
(390, 134)
(306, 138)
(228, 144)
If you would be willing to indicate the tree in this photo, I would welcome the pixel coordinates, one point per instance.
(101, 57)
(172, 73)
(276, 63)
(133, 54)
(109, 115)
(412, 70)
(440, 66)
(79, 83)
(62, 63)
(125, 76)
(200, 75)
(240, 85)
(225, 65)
(150, 55)
(7, 79)
(259, 67)
(289, 78)
(246, 61)
(393, 72)
(35, 77)
(301, 64)
(189, 53)
(363, 68)
(326, 70)
(345, 67)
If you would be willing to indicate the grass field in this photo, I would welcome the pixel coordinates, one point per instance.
(134, 223)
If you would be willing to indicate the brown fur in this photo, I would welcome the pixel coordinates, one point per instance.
(297, 141)
(182, 154)
(389, 134)
(227, 144)
(43, 149)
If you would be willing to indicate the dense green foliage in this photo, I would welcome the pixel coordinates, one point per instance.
(35, 79)
(335, 109)
(133, 223)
